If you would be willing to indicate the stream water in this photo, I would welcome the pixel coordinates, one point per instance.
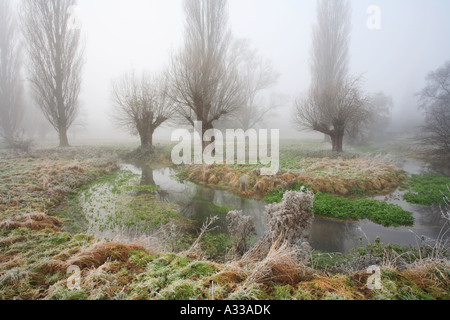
(199, 203)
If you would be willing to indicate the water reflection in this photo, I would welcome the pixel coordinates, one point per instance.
(335, 236)
(199, 203)
(147, 176)
(196, 202)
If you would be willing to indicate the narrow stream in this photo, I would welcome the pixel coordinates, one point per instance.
(199, 203)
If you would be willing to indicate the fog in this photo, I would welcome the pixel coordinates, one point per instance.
(141, 34)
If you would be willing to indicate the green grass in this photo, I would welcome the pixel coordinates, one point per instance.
(428, 189)
(290, 157)
(347, 208)
(117, 200)
(27, 251)
(379, 212)
(215, 246)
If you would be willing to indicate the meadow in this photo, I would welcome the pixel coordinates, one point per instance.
(42, 233)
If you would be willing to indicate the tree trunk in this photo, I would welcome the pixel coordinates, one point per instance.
(63, 140)
(334, 142)
(340, 143)
(146, 139)
(150, 140)
(147, 176)
(337, 141)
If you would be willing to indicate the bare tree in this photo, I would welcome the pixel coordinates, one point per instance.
(56, 60)
(11, 88)
(332, 111)
(204, 77)
(335, 101)
(141, 105)
(257, 75)
(435, 100)
(379, 108)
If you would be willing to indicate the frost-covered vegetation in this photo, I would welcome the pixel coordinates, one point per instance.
(38, 244)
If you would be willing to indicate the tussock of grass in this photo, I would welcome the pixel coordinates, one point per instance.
(338, 287)
(183, 289)
(97, 255)
(281, 265)
(414, 284)
(34, 221)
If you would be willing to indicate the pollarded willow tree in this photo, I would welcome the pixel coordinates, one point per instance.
(335, 100)
(204, 74)
(11, 89)
(141, 105)
(56, 60)
(333, 111)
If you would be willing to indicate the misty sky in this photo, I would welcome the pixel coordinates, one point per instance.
(140, 34)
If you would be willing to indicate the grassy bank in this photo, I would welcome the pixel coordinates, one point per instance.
(33, 266)
(340, 176)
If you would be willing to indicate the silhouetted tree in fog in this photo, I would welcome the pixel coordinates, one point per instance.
(335, 101)
(56, 60)
(256, 76)
(435, 100)
(331, 42)
(141, 105)
(11, 88)
(332, 111)
(379, 108)
(203, 76)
